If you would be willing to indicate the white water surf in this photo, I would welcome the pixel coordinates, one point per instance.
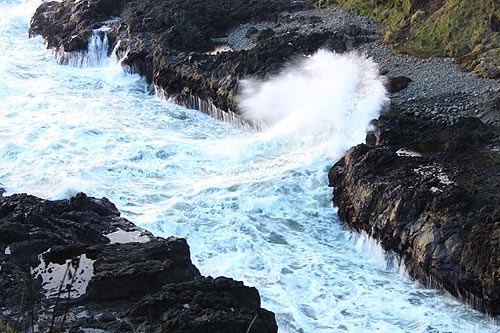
(255, 207)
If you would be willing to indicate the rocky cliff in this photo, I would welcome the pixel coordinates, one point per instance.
(175, 43)
(430, 193)
(426, 182)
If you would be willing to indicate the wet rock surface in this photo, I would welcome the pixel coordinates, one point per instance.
(431, 194)
(76, 265)
(196, 52)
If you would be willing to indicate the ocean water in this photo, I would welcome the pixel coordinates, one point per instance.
(253, 206)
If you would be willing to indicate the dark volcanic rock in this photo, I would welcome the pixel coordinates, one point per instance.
(183, 25)
(204, 306)
(397, 83)
(420, 191)
(170, 42)
(121, 278)
(69, 25)
(439, 210)
(215, 77)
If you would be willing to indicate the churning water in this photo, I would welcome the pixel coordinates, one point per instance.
(255, 207)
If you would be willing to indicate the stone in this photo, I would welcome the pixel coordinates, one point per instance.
(425, 184)
(171, 42)
(56, 254)
(437, 210)
(397, 83)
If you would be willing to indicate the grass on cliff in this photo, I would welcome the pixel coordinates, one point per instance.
(457, 28)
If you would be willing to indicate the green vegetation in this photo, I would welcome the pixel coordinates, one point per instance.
(6, 328)
(468, 30)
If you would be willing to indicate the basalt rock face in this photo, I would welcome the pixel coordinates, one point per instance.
(172, 42)
(166, 41)
(69, 25)
(438, 210)
(216, 77)
(431, 194)
(118, 277)
(180, 25)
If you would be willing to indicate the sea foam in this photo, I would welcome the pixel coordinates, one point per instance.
(323, 98)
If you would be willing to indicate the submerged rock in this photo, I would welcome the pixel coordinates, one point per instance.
(76, 264)
(420, 191)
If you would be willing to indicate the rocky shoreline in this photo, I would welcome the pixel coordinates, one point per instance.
(77, 265)
(429, 193)
(425, 184)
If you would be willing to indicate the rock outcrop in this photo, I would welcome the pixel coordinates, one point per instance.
(174, 43)
(431, 194)
(75, 265)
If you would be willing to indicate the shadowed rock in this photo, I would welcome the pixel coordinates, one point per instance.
(171, 42)
(397, 83)
(427, 191)
(121, 279)
(420, 191)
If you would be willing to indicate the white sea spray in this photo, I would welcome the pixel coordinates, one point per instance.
(325, 101)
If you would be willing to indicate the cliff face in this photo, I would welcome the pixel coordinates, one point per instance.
(418, 188)
(426, 189)
(170, 42)
(467, 30)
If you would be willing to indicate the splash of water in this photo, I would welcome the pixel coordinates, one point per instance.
(95, 56)
(318, 99)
